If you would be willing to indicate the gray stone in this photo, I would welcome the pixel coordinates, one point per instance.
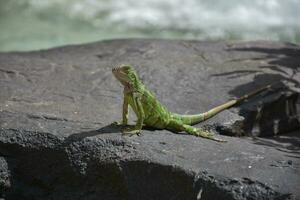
(56, 106)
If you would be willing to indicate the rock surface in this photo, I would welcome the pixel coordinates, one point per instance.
(56, 107)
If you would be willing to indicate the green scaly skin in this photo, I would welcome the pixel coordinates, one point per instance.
(151, 113)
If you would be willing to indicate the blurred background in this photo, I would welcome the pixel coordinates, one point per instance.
(39, 24)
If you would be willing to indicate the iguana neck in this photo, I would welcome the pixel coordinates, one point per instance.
(137, 87)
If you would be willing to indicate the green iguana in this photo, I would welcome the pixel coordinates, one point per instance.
(151, 113)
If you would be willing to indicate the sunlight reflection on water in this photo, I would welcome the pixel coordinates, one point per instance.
(36, 24)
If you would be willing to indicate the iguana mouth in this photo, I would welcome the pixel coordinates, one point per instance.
(115, 69)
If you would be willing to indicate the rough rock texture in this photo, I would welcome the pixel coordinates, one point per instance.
(56, 107)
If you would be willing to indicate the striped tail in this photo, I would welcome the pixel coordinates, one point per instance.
(197, 118)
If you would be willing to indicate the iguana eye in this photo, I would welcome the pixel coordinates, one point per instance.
(126, 68)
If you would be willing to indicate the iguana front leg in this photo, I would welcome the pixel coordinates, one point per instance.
(136, 130)
(125, 110)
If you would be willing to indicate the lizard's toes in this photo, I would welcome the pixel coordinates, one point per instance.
(131, 132)
(204, 133)
(219, 140)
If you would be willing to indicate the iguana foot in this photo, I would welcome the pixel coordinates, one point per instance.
(206, 134)
(218, 139)
(176, 125)
(131, 131)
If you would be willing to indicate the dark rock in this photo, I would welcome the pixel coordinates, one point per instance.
(56, 107)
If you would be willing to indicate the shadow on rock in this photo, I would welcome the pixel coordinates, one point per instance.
(288, 143)
(277, 110)
(111, 128)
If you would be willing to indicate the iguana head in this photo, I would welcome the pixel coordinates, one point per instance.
(126, 75)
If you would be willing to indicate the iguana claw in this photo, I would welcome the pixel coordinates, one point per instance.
(208, 135)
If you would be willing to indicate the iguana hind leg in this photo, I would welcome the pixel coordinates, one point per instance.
(178, 126)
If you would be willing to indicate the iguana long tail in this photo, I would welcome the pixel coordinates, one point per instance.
(197, 118)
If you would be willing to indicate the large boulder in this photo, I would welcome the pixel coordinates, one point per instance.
(56, 107)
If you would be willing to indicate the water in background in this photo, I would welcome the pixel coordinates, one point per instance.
(38, 24)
